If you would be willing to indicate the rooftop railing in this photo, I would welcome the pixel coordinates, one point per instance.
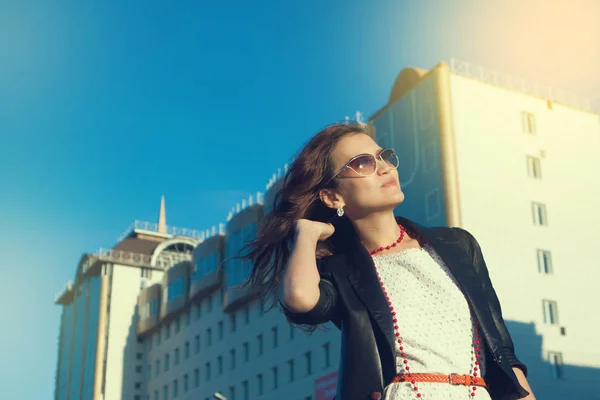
(518, 84)
(153, 227)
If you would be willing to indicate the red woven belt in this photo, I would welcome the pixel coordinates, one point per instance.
(452, 379)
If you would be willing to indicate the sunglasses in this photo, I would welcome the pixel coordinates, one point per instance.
(366, 164)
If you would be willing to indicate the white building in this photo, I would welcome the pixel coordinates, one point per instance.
(99, 354)
(518, 168)
(156, 318)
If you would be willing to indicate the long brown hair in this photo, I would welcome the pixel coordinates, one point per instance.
(298, 198)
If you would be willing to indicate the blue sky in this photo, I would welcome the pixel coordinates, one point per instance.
(106, 107)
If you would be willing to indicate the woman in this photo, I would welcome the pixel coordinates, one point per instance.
(418, 315)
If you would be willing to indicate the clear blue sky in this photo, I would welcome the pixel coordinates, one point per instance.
(106, 107)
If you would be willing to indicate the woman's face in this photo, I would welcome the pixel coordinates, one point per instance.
(361, 195)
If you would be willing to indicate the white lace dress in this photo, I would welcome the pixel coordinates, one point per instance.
(434, 321)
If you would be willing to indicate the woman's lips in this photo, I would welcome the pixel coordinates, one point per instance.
(391, 182)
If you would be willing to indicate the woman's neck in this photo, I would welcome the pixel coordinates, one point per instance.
(377, 230)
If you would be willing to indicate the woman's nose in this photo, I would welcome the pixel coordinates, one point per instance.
(382, 166)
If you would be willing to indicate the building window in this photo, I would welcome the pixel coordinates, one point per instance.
(157, 367)
(544, 261)
(177, 326)
(176, 361)
(539, 214)
(198, 310)
(291, 369)
(232, 357)
(550, 312)
(275, 377)
(232, 322)
(245, 391)
(175, 388)
(197, 343)
(260, 344)
(138, 385)
(139, 356)
(207, 371)
(292, 330)
(149, 370)
(188, 317)
(220, 327)
(196, 377)
(231, 393)
(158, 337)
(138, 369)
(534, 167)
(259, 383)
(220, 365)
(528, 123)
(556, 364)
(209, 303)
(156, 395)
(176, 289)
(167, 362)
(167, 330)
(308, 359)
(186, 351)
(246, 315)
(246, 348)
(165, 392)
(185, 383)
(275, 338)
(326, 354)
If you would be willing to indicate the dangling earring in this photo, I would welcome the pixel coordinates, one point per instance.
(340, 211)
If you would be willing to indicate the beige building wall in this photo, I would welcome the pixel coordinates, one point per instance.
(122, 358)
(492, 143)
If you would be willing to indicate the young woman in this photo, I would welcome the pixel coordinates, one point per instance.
(418, 315)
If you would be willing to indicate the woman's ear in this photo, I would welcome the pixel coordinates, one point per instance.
(331, 198)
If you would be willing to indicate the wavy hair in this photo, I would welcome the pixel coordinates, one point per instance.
(298, 198)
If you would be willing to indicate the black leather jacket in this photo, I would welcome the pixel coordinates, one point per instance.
(352, 299)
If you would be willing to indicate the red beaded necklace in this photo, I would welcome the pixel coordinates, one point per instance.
(402, 230)
(406, 369)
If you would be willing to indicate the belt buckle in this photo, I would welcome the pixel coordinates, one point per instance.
(451, 379)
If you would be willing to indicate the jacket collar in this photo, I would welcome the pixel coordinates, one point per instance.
(450, 248)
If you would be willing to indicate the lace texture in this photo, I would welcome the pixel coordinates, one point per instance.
(435, 323)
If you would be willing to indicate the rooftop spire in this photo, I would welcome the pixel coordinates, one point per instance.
(162, 217)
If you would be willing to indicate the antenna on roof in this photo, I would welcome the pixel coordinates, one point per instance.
(162, 217)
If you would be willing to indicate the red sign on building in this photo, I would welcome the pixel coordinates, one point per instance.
(326, 386)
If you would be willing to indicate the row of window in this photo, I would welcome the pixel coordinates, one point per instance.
(259, 379)
(232, 354)
(550, 307)
(164, 332)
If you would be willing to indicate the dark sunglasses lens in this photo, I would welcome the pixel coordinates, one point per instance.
(390, 157)
(363, 165)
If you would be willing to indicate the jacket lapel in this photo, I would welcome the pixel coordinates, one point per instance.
(363, 278)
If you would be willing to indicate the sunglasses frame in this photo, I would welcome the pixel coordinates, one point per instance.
(377, 156)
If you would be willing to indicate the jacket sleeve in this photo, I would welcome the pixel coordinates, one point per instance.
(495, 308)
(324, 311)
